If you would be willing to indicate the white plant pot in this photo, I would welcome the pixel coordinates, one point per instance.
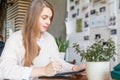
(62, 55)
(98, 70)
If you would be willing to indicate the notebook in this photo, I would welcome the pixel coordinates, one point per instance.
(69, 72)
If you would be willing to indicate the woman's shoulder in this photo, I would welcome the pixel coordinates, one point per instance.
(47, 35)
(16, 35)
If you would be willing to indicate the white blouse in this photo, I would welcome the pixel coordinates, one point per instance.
(11, 66)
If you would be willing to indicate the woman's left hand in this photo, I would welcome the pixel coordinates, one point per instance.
(80, 67)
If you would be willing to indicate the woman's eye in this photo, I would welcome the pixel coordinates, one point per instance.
(44, 17)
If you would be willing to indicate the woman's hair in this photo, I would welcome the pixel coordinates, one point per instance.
(31, 30)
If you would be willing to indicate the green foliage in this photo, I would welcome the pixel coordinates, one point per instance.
(62, 44)
(98, 51)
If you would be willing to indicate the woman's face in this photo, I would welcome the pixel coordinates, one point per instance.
(45, 19)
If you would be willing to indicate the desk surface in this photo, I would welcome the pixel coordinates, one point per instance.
(72, 77)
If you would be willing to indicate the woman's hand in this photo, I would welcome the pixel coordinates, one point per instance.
(52, 68)
(80, 67)
(48, 70)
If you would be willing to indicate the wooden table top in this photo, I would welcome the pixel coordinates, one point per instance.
(72, 77)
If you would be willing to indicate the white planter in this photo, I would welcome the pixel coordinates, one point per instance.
(98, 70)
(62, 55)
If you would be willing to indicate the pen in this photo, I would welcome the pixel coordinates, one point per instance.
(51, 59)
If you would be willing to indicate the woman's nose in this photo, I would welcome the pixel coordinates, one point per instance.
(48, 21)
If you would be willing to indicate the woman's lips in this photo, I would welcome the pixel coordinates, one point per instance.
(46, 27)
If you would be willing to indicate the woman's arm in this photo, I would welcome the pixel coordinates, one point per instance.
(12, 59)
(49, 70)
(66, 66)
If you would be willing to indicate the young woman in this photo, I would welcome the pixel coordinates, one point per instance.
(32, 52)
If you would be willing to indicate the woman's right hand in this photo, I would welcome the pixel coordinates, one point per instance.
(49, 70)
(52, 68)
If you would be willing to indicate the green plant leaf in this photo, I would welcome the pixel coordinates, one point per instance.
(62, 44)
(97, 51)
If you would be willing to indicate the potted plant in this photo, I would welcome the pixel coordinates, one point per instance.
(97, 57)
(62, 46)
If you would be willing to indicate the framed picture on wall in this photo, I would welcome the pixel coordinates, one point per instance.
(79, 25)
(113, 32)
(97, 36)
(92, 12)
(74, 15)
(98, 20)
(98, 1)
(86, 24)
(102, 9)
(86, 37)
(112, 21)
(72, 8)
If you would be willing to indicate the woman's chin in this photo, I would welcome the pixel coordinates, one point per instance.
(43, 30)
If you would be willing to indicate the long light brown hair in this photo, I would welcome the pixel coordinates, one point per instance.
(31, 30)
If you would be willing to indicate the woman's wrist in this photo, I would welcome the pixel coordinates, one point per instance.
(43, 71)
(36, 72)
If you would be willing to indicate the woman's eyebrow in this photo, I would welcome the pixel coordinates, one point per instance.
(47, 16)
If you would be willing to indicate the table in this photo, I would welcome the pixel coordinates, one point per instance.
(72, 77)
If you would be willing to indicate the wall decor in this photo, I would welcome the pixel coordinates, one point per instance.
(92, 12)
(98, 20)
(113, 31)
(85, 6)
(78, 25)
(71, 0)
(86, 37)
(94, 2)
(74, 15)
(97, 36)
(102, 9)
(86, 24)
(72, 8)
(104, 43)
(112, 21)
(77, 2)
(98, 1)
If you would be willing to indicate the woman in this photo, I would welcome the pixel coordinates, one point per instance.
(32, 52)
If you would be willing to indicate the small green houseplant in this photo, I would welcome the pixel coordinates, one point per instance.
(98, 51)
(97, 57)
(62, 44)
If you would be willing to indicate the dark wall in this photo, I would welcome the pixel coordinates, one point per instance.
(57, 27)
